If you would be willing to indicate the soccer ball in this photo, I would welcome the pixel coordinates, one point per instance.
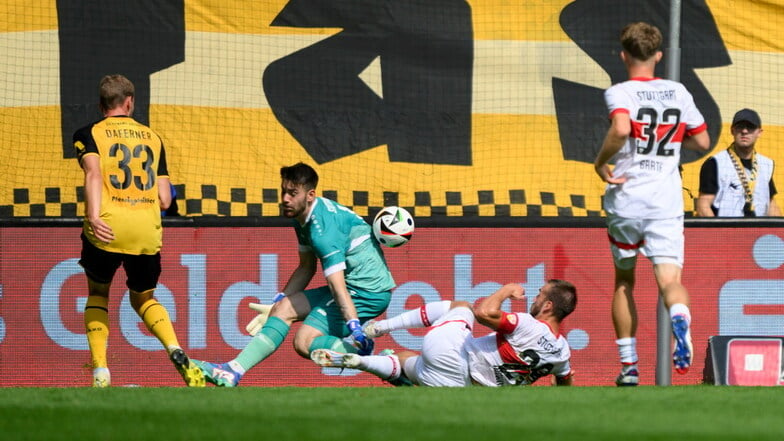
(393, 226)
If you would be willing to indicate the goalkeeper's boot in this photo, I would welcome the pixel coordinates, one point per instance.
(372, 329)
(402, 380)
(327, 358)
(681, 355)
(190, 372)
(219, 374)
(629, 376)
(101, 377)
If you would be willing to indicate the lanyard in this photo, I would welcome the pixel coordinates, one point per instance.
(748, 182)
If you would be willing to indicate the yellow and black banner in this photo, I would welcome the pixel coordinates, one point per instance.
(445, 107)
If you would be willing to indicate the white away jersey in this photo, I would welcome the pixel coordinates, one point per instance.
(520, 352)
(662, 114)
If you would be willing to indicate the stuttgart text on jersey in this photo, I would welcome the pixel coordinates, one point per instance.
(656, 95)
(549, 346)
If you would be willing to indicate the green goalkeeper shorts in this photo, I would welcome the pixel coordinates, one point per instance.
(325, 314)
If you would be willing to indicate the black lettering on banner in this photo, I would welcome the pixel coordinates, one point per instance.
(594, 25)
(135, 38)
(426, 52)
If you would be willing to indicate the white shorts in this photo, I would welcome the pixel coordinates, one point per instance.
(660, 240)
(443, 361)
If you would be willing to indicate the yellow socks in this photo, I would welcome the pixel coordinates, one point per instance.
(96, 323)
(156, 318)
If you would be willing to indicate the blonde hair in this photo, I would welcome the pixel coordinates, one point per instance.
(113, 89)
(641, 40)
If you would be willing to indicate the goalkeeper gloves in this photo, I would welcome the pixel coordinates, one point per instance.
(362, 342)
(254, 326)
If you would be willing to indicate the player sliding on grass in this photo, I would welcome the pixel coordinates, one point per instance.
(523, 348)
(358, 287)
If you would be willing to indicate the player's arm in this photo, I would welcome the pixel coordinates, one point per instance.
(297, 283)
(616, 137)
(303, 274)
(568, 380)
(337, 284)
(163, 182)
(489, 312)
(93, 187)
(164, 192)
(698, 141)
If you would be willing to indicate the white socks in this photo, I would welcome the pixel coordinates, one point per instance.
(421, 317)
(627, 349)
(386, 367)
(680, 309)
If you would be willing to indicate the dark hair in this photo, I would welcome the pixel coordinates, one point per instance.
(641, 40)
(563, 294)
(300, 174)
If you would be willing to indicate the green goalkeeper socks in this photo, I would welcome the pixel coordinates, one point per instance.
(264, 343)
(333, 344)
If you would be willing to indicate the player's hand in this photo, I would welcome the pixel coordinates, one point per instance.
(563, 381)
(606, 174)
(102, 230)
(518, 292)
(254, 326)
(362, 342)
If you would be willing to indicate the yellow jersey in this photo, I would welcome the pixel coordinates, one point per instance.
(132, 158)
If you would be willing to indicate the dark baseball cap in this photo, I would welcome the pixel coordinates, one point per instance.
(747, 115)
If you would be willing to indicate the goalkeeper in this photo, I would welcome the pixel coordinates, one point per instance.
(523, 348)
(359, 284)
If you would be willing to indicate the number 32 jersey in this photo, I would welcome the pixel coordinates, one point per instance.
(132, 159)
(662, 114)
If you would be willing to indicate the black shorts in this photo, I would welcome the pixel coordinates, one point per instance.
(100, 266)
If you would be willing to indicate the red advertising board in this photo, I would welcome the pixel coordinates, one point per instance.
(210, 274)
(754, 362)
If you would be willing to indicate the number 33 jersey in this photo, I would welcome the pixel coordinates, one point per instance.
(132, 159)
(662, 113)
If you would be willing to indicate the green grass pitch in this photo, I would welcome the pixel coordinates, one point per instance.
(675, 413)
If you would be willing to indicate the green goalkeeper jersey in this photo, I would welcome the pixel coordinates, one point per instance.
(342, 240)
